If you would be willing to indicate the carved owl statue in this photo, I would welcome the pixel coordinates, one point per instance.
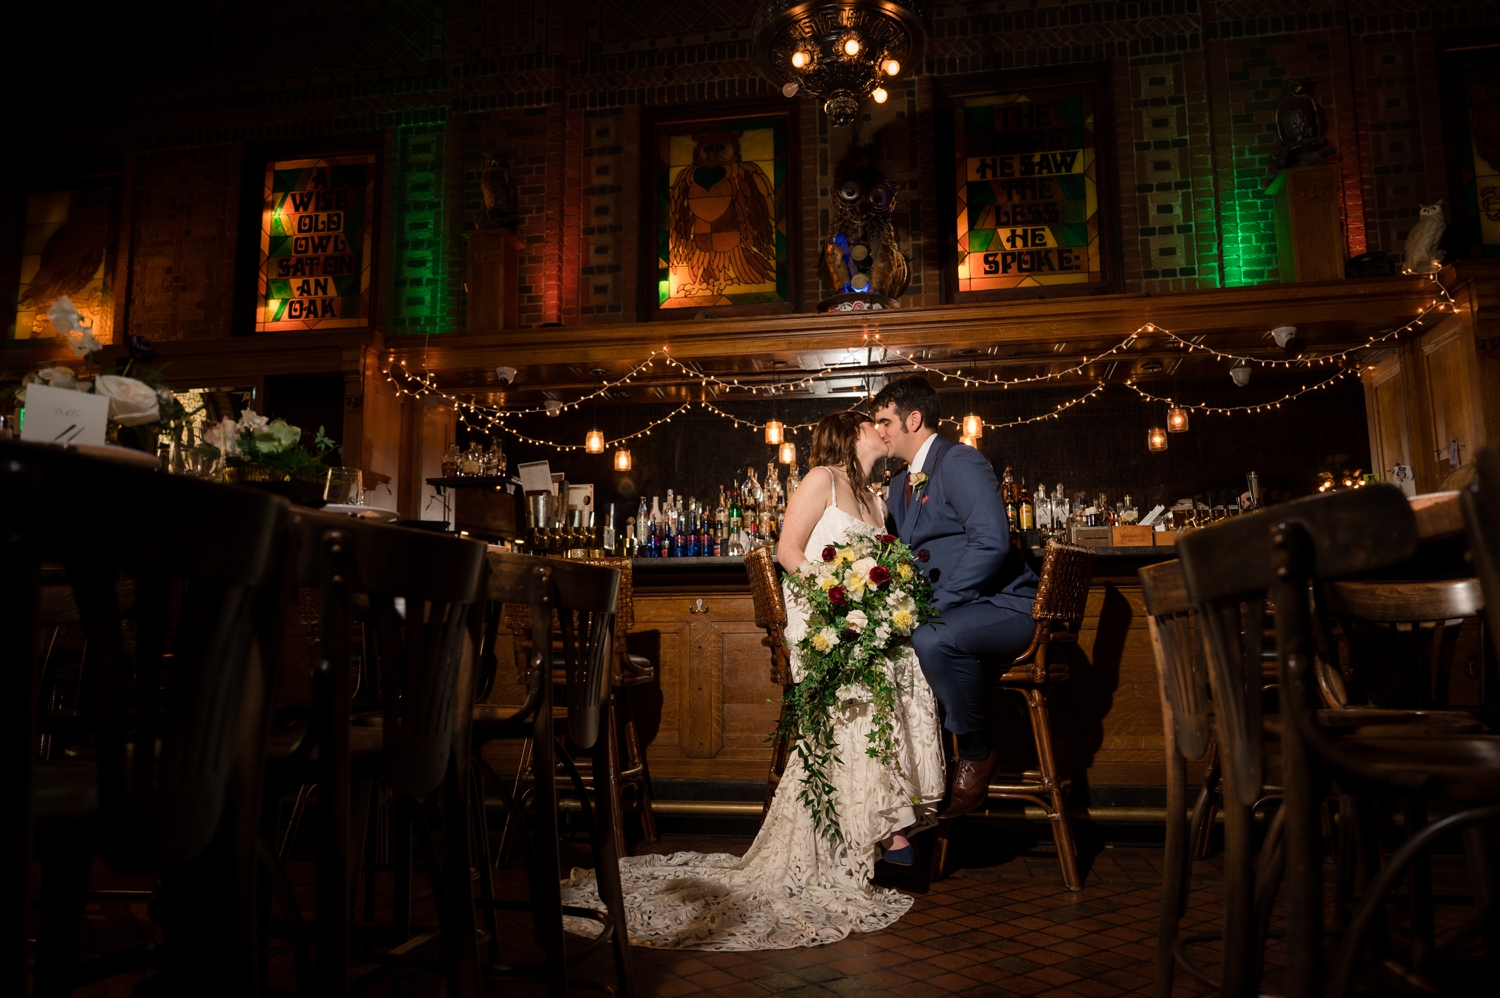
(1422, 255)
(862, 254)
(721, 230)
(1299, 127)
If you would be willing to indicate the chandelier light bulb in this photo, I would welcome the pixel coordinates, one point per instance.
(790, 90)
(851, 45)
(1177, 420)
(594, 442)
(788, 453)
(891, 67)
(880, 95)
(1157, 439)
(775, 432)
(799, 59)
(622, 460)
(973, 426)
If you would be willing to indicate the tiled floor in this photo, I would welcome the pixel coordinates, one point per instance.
(1001, 926)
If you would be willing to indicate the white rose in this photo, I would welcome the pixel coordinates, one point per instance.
(857, 620)
(225, 436)
(131, 402)
(863, 566)
(253, 421)
(61, 377)
(882, 635)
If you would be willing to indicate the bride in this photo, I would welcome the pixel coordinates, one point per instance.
(794, 887)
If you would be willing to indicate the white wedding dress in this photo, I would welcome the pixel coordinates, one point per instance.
(793, 887)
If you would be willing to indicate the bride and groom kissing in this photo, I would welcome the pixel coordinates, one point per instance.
(797, 885)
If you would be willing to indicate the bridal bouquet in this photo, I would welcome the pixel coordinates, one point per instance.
(864, 600)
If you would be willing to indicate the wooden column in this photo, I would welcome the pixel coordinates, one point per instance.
(1309, 236)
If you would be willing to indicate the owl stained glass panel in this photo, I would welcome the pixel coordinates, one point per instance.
(67, 250)
(315, 243)
(721, 232)
(1027, 205)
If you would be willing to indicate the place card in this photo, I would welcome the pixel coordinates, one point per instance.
(63, 416)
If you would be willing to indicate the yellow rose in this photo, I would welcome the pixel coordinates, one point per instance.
(827, 582)
(904, 570)
(844, 557)
(820, 642)
(902, 621)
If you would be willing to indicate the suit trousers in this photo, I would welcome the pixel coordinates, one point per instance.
(952, 651)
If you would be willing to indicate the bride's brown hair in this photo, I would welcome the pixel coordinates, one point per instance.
(833, 445)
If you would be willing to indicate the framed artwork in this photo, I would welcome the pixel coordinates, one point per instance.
(68, 242)
(718, 189)
(316, 243)
(1471, 68)
(1024, 206)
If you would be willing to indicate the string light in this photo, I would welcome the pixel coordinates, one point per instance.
(1056, 411)
(1231, 410)
(992, 382)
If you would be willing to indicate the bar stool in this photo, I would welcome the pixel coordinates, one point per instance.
(191, 684)
(1061, 597)
(584, 598)
(1285, 554)
(770, 615)
(627, 671)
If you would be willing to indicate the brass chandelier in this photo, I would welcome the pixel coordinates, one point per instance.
(840, 51)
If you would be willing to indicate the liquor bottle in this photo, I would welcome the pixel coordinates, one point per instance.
(655, 510)
(1008, 488)
(642, 523)
(721, 516)
(736, 515)
(450, 461)
(1028, 509)
(793, 479)
(1130, 514)
(653, 540)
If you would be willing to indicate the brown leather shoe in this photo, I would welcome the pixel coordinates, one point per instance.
(971, 783)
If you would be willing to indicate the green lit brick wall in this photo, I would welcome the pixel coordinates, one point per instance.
(419, 299)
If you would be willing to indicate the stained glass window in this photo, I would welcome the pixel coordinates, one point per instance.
(721, 224)
(1027, 205)
(315, 243)
(67, 250)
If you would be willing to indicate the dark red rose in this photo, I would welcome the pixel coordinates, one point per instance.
(830, 552)
(879, 574)
(836, 595)
(923, 554)
(887, 538)
(848, 634)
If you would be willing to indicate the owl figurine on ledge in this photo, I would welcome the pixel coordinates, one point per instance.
(861, 258)
(1422, 255)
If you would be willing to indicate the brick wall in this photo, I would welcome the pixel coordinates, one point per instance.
(560, 87)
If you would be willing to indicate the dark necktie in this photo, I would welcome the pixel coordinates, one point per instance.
(908, 487)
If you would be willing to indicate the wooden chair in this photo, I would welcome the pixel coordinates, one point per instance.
(183, 673)
(1061, 597)
(584, 598)
(422, 653)
(1182, 679)
(1286, 554)
(627, 672)
(770, 615)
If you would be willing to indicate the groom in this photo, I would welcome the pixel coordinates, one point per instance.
(946, 505)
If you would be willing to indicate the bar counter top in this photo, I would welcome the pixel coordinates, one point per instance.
(1159, 553)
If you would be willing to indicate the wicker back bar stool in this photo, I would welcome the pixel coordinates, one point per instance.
(770, 615)
(1061, 598)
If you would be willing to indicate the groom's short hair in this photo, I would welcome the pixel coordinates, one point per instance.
(908, 395)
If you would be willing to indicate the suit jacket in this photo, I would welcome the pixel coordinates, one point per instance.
(959, 518)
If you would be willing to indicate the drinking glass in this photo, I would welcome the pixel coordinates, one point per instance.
(344, 487)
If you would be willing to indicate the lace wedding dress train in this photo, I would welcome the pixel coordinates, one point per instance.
(793, 887)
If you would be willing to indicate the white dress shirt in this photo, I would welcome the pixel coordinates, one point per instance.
(921, 458)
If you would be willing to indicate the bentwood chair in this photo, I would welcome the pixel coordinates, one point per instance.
(181, 694)
(1288, 554)
(584, 600)
(415, 591)
(628, 771)
(1061, 598)
(770, 615)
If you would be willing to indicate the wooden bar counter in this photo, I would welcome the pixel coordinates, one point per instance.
(708, 716)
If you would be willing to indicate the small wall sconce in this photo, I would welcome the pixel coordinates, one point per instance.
(622, 460)
(973, 426)
(775, 432)
(1157, 438)
(594, 442)
(788, 453)
(1177, 420)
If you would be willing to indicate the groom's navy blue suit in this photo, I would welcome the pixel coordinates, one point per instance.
(984, 588)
